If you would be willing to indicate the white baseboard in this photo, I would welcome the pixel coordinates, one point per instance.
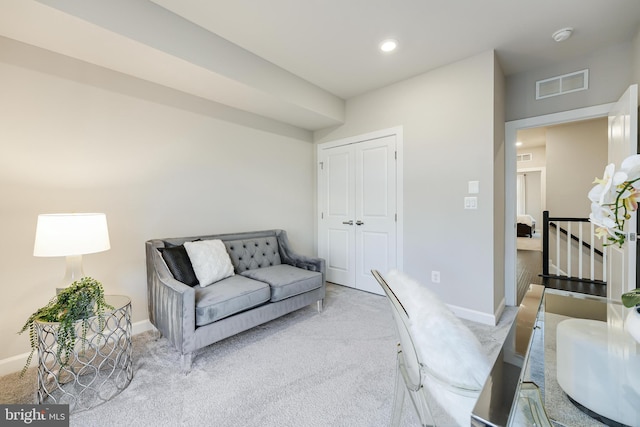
(141, 326)
(477, 316)
(16, 363)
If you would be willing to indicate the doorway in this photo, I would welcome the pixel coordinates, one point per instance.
(511, 137)
(531, 198)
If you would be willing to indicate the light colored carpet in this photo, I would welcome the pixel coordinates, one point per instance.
(556, 402)
(530, 243)
(335, 368)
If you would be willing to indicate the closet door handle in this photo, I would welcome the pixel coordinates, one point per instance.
(350, 222)
(358, 222)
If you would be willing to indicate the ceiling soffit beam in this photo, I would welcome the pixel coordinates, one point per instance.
(144, 40)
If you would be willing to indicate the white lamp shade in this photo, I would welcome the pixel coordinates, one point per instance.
(71, 234)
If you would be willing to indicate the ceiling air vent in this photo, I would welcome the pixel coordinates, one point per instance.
(560, 85)
(525, 157)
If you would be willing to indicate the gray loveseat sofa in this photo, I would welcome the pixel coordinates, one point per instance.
(270, 280)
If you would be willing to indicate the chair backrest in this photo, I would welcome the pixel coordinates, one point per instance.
(412, 363)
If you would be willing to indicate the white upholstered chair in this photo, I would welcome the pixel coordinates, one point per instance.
(420, 382)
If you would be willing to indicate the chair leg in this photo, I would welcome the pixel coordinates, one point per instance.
(320, 301)
(419, 399)
(398, 400)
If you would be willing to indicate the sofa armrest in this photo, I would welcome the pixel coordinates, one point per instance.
(288, 256)
(171, 303)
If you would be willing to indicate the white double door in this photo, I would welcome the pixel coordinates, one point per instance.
(357, 204)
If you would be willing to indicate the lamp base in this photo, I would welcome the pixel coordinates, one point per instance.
(73, 271)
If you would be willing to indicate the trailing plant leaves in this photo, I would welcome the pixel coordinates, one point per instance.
(80, 301)
(629, 299)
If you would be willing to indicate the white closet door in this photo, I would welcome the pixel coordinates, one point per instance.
(357, 228)
(336, 238)
(375, 228)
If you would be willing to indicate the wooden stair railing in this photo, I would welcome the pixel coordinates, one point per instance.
(551, 222)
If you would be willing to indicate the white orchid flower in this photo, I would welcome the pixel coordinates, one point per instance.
(614, 198)
(602, 193)
(619, 178)
(602, 216)
(599, 211)
(631, 165)
(596, 195)
(604, 230)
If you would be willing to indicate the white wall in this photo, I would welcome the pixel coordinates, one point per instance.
(449, 139)
(610, 73)
(576, 155)
(538, 157)
(80, 138)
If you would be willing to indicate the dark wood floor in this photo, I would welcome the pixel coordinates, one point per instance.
(529, 270)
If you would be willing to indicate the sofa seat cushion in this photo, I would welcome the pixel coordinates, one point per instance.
(228, 296)
(286, 280)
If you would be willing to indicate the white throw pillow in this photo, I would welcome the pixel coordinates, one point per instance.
(444, 344)
(210, 261)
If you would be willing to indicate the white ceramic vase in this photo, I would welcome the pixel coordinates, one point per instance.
(632, 324)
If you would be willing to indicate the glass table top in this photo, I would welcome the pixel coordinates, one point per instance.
(571, 361)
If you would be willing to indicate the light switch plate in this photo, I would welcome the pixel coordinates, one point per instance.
(474, 187)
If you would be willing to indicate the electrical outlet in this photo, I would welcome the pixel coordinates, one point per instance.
(435, 276)
(471, 203)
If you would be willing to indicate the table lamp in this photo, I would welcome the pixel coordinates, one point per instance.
(71, 235)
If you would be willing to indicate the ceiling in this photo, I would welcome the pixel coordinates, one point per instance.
(297, 61)
(334, 43)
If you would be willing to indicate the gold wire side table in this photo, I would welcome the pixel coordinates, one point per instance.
(100, 365)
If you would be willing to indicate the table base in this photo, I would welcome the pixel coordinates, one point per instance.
(98, 368)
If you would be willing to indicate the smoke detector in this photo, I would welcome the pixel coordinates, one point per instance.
(562, 34)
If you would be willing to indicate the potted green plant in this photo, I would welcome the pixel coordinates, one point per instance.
(78, 302)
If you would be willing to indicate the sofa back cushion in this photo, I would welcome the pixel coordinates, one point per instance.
(253, 253)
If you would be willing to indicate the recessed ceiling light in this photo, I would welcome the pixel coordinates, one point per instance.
(388, 45)
(562, 34)
(518, 144)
